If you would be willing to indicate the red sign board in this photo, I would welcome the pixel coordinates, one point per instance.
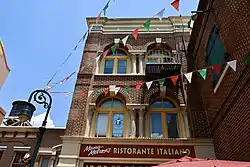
(136, 151)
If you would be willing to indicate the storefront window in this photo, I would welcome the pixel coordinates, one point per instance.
(110, 119)
(163, 119)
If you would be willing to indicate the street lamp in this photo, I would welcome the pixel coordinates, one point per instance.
(25, 110)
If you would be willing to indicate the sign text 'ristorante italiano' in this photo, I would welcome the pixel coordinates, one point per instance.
(136, 151)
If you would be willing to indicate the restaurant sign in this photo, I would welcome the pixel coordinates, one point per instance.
(136, 151)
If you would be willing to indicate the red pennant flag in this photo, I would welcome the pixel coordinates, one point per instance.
(81, 93)
(216, 68)
(105, 53)
(106, 91)
(135, 33)
(138, 85)
(176, 4)
(98, 17)
(174, 79)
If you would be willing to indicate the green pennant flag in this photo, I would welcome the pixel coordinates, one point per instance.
(161, 82)
(113, 48)
(203, 73)
(98, 91)
(147, 25)
(126, 89)
(247, 60)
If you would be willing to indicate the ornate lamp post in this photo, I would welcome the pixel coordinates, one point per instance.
(25, 110)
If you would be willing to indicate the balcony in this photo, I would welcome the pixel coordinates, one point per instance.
(162, 64)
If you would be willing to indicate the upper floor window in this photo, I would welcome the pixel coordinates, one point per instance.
(110, 119)
(216, 54)
(158, 54)
(117, 63)
(163, 119)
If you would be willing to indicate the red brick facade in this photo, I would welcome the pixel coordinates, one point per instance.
(227, 110)
(98, 42)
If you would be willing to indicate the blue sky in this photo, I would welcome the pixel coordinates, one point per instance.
(39, 34)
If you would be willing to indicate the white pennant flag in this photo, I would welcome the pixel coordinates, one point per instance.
(90, 92)
(149, 84)
(124, 40)
(97, 58)
(189, 76)
(232, 64)
(160, 14)
(117, 89)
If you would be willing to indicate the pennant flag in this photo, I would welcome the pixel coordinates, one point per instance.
(138, 85)
(189, 76)
(232, 64)
(106, 91)
(126, 89)
(105, 53)
(160, 14)
(90, 92)
(149, 84)
(247, 60)
(106, 7)
(124, 40)
(203, 73)
(48, 87)
(174, 79)
(117, 89)
(161, 82)
(65, 79)
(82, 94)
(147, 25)
(98, 17)
(97, 58)
(135, 33)
(176, 4)
(68, 93)
(113, 48)
(98, 91)
(216, 69)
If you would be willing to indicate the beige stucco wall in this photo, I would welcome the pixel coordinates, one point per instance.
(71, 146)
(4, 69)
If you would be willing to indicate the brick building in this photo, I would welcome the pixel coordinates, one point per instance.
(220, 34)
(132, 127)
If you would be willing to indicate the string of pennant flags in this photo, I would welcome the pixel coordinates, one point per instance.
(203, 73)
(146, 25)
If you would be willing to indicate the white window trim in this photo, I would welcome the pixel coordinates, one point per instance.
(221, 78)
(21, 148)
(2, 148)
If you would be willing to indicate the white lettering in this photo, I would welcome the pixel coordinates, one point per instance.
(95, 150)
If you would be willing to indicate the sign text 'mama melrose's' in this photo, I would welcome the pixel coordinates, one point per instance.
(136, 151)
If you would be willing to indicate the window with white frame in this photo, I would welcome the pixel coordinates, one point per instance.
(18, 159)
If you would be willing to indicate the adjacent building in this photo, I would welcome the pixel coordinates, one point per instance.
(113, 123)
(221, 34)
(17, 144)
(4, 69)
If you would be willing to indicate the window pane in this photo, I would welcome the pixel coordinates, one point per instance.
(168, 104)
(172, 126)
(45, 162)
(107, 104)
(118, 125)
(152, 61)
(122, 67)
(156, 125)
(101, 126)
(108, 67)
(117, 104)
(156, 104)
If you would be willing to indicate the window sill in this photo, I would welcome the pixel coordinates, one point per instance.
(221, 78)
(120, 74)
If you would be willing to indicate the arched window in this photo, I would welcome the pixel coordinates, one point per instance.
(158, 53)
(110, 119)
(216, 54)
(164, 119)
(117, 63)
